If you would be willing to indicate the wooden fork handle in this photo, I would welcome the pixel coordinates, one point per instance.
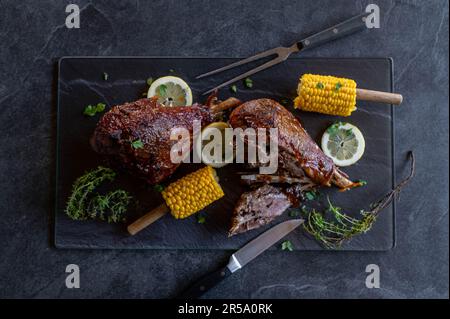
(148, 219)
(377, 96)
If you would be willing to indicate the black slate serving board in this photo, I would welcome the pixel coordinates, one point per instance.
(81, 83)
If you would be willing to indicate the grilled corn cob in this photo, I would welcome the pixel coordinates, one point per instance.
(326, 94)
(193, 192)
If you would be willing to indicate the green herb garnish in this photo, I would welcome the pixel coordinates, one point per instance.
(361, 182)
(304, 210)
(332, 130)
(287, 245)
(91, 110)
(348, 132)
(337, 87)
(162, 90)
(137, 144)
(320, 85)
(201, 219)
(233, 88)
(333, 227)
(248, 83)
(100, 107)
(149, 81)
(158, 187)
(84, 203)
(105, 76)
(110, 207)
(312, 195)
(171, 70)
(284, 101)
(294, 213)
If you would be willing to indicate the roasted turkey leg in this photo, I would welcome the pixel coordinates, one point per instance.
(151, 123)
(298, 153)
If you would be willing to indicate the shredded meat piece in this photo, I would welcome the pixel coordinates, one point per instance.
(259, 207)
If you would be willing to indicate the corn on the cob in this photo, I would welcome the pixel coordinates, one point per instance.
(193, 192)
(326, 94)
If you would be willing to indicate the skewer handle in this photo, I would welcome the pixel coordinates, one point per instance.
(148, 219)
(377, 96)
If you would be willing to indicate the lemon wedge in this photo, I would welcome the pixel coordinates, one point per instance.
(213, 138)
(343, 143)
(171, 91)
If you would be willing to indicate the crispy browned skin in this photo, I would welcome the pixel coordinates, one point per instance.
(151, 123)
(296, 148)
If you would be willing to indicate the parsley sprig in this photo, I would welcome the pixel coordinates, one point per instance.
(248, 83)
(287, 245)
(137, 144)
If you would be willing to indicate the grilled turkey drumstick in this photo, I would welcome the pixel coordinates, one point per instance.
(298, 153)
(151, 123)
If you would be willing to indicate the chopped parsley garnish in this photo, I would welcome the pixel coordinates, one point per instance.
(137, 144)
(334, 128)
(337, 87)
(287, 245)
(100, 107)
(294, 213)
(201, 219)
(248, 83)
(312, 195)
(320, 85)
(304, 210)
(233, 88)
(158, 187)
(149, 81)
(91, 110)
(348, 132)
(361, 182)
(162, 89)
(284, 101)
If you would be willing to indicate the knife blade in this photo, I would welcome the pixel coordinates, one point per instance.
(258, 245)
(242, 257)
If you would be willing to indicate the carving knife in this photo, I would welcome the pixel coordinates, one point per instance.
(240, 258)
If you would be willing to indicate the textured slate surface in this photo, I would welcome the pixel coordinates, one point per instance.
(34, 37)
(81, 83)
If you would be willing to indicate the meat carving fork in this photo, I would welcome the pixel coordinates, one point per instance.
(352, 25)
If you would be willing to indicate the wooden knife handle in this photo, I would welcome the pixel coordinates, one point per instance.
(377, 96)
(148, 219)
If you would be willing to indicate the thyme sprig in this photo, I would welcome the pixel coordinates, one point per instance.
(84, 203)
(332, 231)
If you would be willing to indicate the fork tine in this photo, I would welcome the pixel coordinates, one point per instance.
(240, 62)
(248, 73)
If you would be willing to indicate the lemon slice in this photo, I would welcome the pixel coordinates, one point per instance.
(214, 138)
(343, 143)
(171, 91)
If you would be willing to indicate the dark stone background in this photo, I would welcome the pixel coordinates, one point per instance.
(33, 36)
